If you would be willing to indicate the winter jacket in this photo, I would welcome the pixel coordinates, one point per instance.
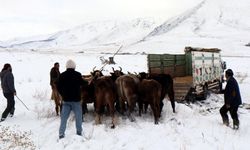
(7, 81)
(54, 75)
(232, 95)
(69, 85)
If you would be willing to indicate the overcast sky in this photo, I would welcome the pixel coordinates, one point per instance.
(22, 18)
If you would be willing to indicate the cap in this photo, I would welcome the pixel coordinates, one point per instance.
(229, 72)
(70, 64)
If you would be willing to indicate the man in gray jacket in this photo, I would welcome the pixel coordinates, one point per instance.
(7, 84)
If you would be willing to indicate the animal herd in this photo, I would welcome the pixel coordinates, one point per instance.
(119, 92)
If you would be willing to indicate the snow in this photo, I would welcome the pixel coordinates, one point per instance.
(191, 127)
(211, 23)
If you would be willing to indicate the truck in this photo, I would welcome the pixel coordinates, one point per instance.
(195, 73)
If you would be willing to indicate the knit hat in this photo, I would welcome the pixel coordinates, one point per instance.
(229, 72)
(70, 64)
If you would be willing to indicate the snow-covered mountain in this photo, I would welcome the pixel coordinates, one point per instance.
(94, 34)
(210, 23)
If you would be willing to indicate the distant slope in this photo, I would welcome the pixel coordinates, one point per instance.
(94, 34)
(212, 23)
(174, 22)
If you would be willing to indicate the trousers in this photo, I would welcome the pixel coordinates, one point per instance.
(10, 104)
(67, 107)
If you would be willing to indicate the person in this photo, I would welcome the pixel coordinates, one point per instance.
(69, 86)
(54, 75)
(232, 100)
(9, 91)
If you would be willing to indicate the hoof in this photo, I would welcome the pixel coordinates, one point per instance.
(113, 126)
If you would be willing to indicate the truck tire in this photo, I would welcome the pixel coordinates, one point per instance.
(203, 95)
(190, 97)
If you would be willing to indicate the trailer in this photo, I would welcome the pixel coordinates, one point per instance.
(195, 73)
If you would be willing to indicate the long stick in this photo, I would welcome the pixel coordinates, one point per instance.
(22, 102)
(118, 50)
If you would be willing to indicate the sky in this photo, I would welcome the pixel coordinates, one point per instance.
(37, 17)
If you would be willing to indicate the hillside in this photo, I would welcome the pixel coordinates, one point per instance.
(210, 23)
(90, 35)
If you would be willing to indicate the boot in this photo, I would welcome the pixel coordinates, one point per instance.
(226, 122)
(235, 124)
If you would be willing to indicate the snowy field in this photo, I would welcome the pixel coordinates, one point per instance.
(195, 126)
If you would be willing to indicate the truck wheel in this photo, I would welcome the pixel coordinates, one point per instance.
(203, 95)
(190, 97)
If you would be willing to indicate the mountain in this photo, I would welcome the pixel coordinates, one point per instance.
(210, 23)
(89, 35)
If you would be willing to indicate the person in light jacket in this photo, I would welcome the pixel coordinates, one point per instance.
(232, 100)
(9, 91)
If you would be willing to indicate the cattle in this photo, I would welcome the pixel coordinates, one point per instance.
(96, 73)
(116, 73)
(150, 93)
(105, 95)
(87, 96)
(88, 91)
(127, 90)
(166, 82)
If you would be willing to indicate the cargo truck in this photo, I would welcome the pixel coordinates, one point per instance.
(195, 73)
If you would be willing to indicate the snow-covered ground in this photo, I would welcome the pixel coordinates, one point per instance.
(193, 126)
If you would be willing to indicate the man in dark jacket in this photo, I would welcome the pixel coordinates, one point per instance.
(69, 86)
(7, 84)
(54, 75)
(232, 100)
